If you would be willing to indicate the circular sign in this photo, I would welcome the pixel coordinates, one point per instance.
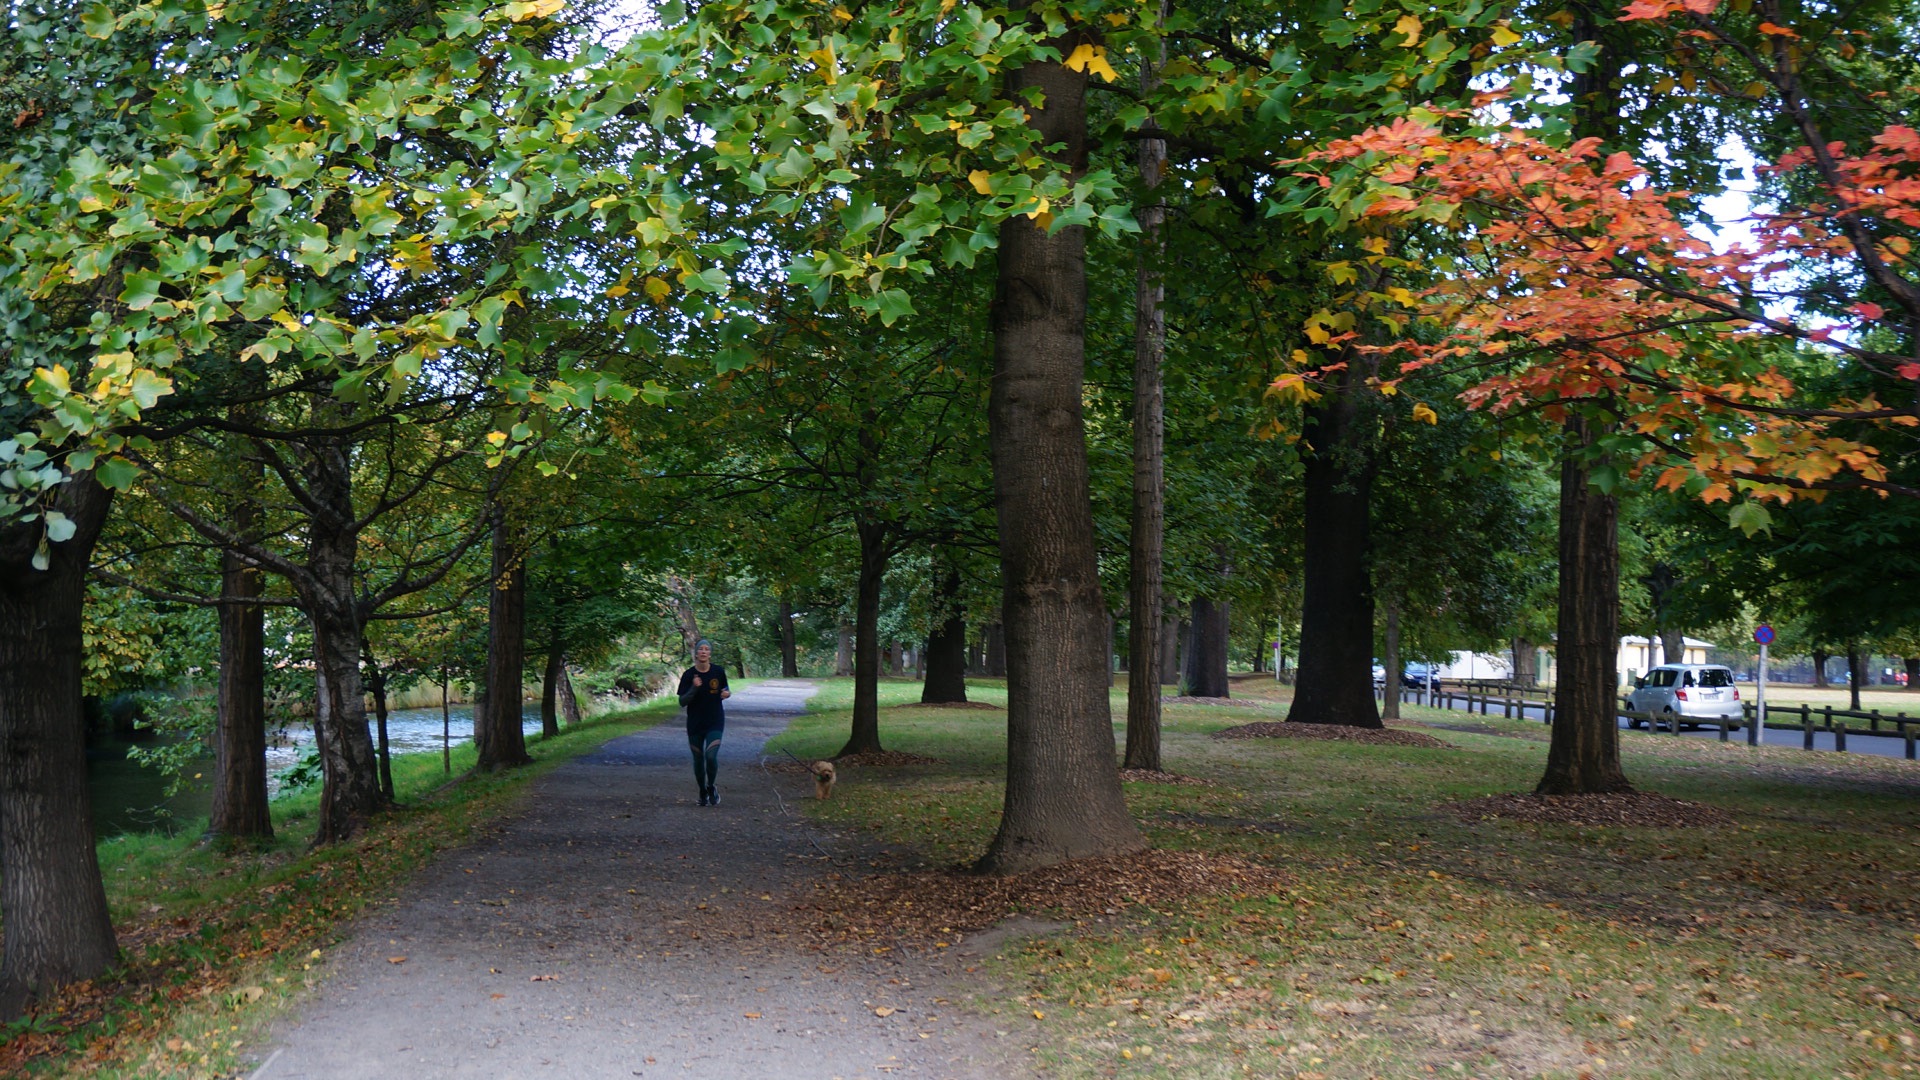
(1764, 635)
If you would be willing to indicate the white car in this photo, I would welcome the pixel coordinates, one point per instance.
(1691, 694)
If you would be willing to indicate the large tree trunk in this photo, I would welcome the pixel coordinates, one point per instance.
(1206, 671)
(1820, 658)
(789, 649)
(1390, 664)
(1584, 755)
(1146, 537)
(550, 682)
(1855, 675)
(1063, 797)
(996, 648)
(1170, 637)
(865, 736)
(239, 810)
(569, 702)
(1913, 673)
(499, 733)
(1335, 680)
(1673, 647)
(350, 784)
(55, 929)
(946, 650)
(843, 652)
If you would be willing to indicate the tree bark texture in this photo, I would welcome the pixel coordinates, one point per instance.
(350, 782)
(1206, 671)
(1390, 665)
(1913, 673)
(1584, 754)
(56, 929)
(1170, 628)
(569, 701)
(874, 552)
(499, 734)
(1334, 684)
(1820, 658)
(1146, 537)
(1063, 797)
(946, 650)
(1526, 663)
(789, 648)
(843, 652)
(239, 809)
(550, 681)
(996, 650)
(1673, 647)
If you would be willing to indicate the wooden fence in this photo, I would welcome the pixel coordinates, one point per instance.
(1515, 702)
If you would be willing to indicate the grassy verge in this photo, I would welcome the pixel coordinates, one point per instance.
(1413, 942)
(215, 943)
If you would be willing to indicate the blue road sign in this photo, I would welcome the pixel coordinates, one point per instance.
(1763, 635)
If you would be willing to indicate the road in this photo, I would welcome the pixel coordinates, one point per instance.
(1858, 742)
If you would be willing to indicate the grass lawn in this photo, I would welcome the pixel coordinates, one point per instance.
(1411, 942)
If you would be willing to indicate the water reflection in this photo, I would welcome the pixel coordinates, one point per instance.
(409, 731)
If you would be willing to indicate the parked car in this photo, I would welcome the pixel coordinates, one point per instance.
(1379, 676)
(1694, 695)
(1421, 676)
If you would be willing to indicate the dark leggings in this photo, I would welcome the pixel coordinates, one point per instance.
(705, 745)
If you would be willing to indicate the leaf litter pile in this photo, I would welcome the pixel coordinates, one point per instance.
(925, 904)
(1340, 732)
(1160, 776)
(1189, 699)
(1619, 808)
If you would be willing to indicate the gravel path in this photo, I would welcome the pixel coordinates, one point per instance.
(618, 929)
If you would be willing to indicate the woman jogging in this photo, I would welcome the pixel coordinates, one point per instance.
(702, 688)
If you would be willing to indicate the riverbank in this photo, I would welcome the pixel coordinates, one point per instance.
(215, 944)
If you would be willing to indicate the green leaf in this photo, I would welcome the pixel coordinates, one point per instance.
(99, 22)
(148, 388)
(1750, 518)
(894, 304)
(116, 473)
(141, 291)
(60, 528)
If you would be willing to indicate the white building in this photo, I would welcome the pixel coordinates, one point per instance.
(1638, 656)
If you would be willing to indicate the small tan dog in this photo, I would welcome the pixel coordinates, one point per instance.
(823, 779)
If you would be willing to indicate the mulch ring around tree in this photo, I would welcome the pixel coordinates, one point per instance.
(932, 905)
(947, 705)
(880, 759)
(1158, 776)
(1341, 732)
(1188, 699)
(1636, 808)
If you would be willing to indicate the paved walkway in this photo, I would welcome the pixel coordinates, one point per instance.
(618, 929)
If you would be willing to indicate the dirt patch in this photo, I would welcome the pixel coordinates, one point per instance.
(1338, 732)
(934, 904)
(989, 706)
(1640, 808)
(1185, 699)
(1158, 776)
(885, 759)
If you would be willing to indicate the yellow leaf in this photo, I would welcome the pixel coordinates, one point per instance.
(496, 438)
(1503, 37)
(618, 291)
(883, 1010)
(1409, 28)
(1038, 1015)
(1400, 296)
(1078, 59)
(842, 14)
(1040, 209)
(657, 289)
(1317, 333)
(1388, 389)
(1116, 18)
(982, 181)
(1099, 66)
(1425, 414)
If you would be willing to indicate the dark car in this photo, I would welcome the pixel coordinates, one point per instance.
(1421, 676)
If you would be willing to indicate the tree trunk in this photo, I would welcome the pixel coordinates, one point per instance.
(997, 650)
(350, 782)
(1820, 658)
(946, 650)
(1913, 672)
(376, 680)
(1146, 535)
(56, 929)
(865, 736)
(569, 702)
(1206, 671)
(1673, 646)
(1526, 664)
(1063, 798)
(1334, 684)
(1390, 664)
(550, 681)
(843, 652)
(499, 733)
(239, 810)
(1855, 675)
(789, 649)
(1584, 755)
(682, 591)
